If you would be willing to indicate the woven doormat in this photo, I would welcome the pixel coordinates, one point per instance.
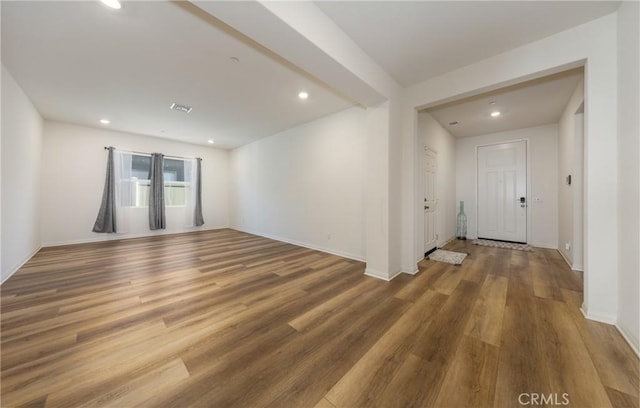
(451, 257)
(505, 245)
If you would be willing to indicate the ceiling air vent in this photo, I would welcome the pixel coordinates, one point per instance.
(181, 108)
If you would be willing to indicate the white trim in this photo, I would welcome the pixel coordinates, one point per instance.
(409, 271)
(117, 237)
(573, 267)
(379, 275)
(304, 244)
(612, 321)
(635, 346)
(446, 242)
(602, 318)
(565, 258)
(21, 265)
(543, 245)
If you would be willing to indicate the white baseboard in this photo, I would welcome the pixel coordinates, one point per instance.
(565, 258)
(633, 343)
(445, 242)
(103, 238)
(116, 236)
(573, 267)
(21, 265)
(379, 275)
(543, 245)
(395, 274)
(375, 274)
(598, 317)
(303, 244)
(410, 271)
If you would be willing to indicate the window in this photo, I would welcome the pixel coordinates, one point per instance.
(174, 182)
(141, 167)
(136, 181)
(173, 170)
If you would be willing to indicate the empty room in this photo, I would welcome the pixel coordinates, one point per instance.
(320, 204)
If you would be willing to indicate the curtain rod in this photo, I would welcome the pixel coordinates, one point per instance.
(149, 154)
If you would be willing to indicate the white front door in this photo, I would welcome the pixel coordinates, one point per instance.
(430, 199)
(502, 191)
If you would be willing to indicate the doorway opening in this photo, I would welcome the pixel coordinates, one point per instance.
(430, 200)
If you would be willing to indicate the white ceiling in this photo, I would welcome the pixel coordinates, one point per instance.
(533, 103)
(417, 40)
(81, 61)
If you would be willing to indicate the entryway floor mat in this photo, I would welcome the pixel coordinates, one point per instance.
(505, 245)
(442, 255)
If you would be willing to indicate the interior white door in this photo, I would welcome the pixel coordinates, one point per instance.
(430, 199)
(502, 191)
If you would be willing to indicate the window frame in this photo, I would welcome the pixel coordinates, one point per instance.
(146, 183)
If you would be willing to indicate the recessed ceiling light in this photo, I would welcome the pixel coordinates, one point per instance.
(454, 123)
(105, 121)
(114, 4)
(235, 60)
(492, 103)
(210, 141)
(303, 95)
(495, 114)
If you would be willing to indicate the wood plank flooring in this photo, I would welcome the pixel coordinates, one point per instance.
(227, 319)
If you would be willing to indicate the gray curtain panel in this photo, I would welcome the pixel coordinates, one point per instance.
(156, 193)
(199, 220)
(106, 220)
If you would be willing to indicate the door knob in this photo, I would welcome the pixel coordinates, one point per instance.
(426, 207)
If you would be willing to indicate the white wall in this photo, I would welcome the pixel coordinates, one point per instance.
(542, 168)
(570, 197)
(305, 185)
(21, 152)
(629, 170)
(337, 60)
(434, 136)
(74, 165)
